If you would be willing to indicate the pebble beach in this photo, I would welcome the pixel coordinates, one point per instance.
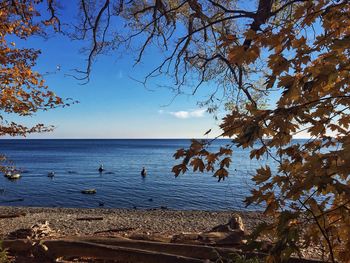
(158, 224)
(85, 222)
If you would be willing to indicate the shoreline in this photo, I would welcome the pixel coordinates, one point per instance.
(65, 221)
(152, 225)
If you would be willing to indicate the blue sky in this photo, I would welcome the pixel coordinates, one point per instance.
(113, 104)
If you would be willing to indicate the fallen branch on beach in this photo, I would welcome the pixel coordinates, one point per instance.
(89, 218)
(12, 215)
(115, 230)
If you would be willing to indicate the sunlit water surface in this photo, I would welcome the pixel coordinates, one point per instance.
(75, 163)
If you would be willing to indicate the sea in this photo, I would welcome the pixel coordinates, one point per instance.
(75, 163)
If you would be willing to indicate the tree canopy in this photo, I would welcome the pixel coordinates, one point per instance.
(296, 50)
(22, 89)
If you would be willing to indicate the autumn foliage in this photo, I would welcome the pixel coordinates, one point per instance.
(306, 56)
(22, 90)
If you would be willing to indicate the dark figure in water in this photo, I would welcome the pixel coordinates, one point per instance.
(101, 168)
(143, 172)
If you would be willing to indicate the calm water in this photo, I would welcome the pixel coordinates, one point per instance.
(75, 163)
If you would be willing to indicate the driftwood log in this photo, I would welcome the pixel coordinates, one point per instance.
(72, 248)
(185, 250)
(126, 250)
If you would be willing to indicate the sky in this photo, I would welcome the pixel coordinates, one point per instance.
(113, 104)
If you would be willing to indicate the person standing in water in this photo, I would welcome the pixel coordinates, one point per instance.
(143, 172)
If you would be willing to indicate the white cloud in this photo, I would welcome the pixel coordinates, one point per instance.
(180, 114)
(199, 113)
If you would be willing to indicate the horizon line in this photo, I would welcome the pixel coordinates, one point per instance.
(160, 138)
